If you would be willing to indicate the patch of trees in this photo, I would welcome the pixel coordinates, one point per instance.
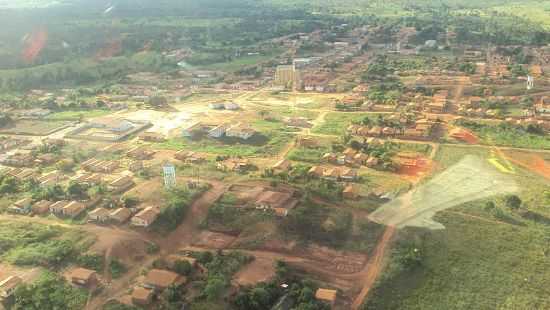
(300, 294)
(50, 291)
(178, 200)
(317, 223)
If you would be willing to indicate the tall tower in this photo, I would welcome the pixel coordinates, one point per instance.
(169, 171)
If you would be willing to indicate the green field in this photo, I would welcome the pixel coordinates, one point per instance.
(487, 257)
(270, 139)
(336, 123)
(30, 244)
(76, 115)
(34, 127)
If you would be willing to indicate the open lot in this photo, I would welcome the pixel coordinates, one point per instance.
(35, 127)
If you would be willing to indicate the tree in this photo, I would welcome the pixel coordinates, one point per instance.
(214, 288)
(183, 267)
(76, 191)
(512, 202)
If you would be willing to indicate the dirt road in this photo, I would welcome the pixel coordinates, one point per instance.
(374, 267)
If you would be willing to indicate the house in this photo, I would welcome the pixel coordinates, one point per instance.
(41, 207)
(329, 157)
(326, 295)
(145, 217)
(112, 124)
(189, 157)
(282, 165)
(348, 174)
(371, 162)
(231, 106)
(46, 159)
(120, 215)
(150, 136)
(142, 296)
(135, 165)
(140, 152)
(350, 192)
(316, 171)
(331, 174)
(216, 106)
(234, 164)
(22, 206)
(158, 279)
(307, 142)
(88, 179)
(83, 277)
(218, 131)
(360, 159)
(73, 209)
(100, 215)
(240, 130)
(300, 122)
(121, 184)
(8, 286)
(280, 202)
(57, 207)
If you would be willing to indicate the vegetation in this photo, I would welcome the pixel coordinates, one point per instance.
(505, 134)
(50, 291)
(39, 245)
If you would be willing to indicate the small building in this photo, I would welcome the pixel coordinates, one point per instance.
(57, 207)
(120, 215)
(100, 215)
(22, 206)
(316, 171)
(326, 295)
(150, 136)
(348, 174)
(83, 277)
(350, 192)
(216, 106)
(158, 279)
(280, 202)
(218, 131)
(41, 207)
(121, 184)
(307, 142)
(142, 296)
(146, 217)
(135, 165)
(282, 165)
(232, 106)
(240, 130)
(140, 152)
(9, 285)
(73, 209)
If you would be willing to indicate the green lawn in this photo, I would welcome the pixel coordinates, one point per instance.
(270, 139)
(336, 122)
(476, 262)
(490, 134)
(76, 115)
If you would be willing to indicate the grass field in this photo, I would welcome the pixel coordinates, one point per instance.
(336, 122)
(76, 115)
(270, 139)
(486, 258)
(34, 127)
(489, 134)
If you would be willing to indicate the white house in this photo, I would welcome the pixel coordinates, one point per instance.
(218, 131)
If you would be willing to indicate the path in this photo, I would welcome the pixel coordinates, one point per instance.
(374, 267)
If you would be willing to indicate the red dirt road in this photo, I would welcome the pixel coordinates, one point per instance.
(374, 267)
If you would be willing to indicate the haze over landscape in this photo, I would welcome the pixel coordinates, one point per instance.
(274, 154)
